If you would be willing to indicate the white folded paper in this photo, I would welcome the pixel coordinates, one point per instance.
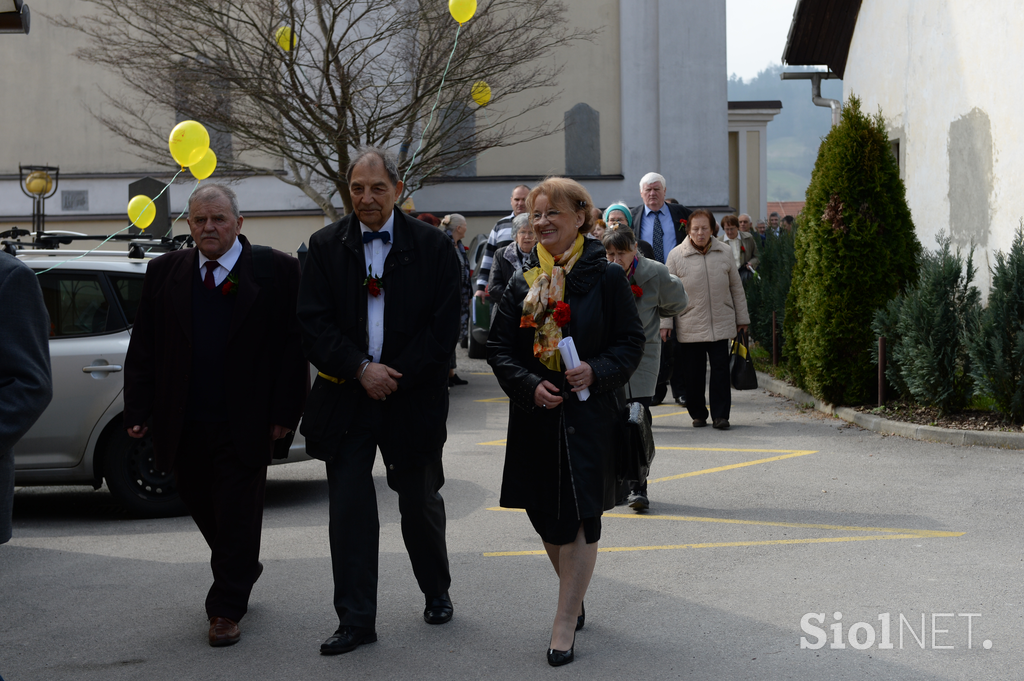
(572, 360)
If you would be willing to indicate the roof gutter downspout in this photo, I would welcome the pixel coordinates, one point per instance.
(816, 78)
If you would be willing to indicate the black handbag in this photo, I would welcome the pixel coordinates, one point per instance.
(742, 374)
(637, 452)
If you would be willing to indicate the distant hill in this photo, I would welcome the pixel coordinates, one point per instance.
(795, 134)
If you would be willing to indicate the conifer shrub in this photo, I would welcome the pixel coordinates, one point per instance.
(768, 290)
(998, 347)
(936, 322)
(855, 251)
(885, 324)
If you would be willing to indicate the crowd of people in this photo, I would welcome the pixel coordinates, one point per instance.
(584, 323)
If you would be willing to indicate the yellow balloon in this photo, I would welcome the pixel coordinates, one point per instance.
(205, 167)
(481, 92)
(462, 10)
(285, 39)
(141, 211)
(188, 142)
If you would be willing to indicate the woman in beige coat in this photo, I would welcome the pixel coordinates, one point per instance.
(717, 311)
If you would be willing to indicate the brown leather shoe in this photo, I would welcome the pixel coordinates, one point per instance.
(223, 632)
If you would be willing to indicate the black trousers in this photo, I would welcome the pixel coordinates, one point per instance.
(355, 525)
(695, 358)
(669, 370)
(224, 494)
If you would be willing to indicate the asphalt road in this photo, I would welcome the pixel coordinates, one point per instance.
(789, 517)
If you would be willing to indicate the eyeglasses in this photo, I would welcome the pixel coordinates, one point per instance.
(549, 216)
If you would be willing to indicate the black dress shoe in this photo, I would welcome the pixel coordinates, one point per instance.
(582, 618)
(439, 609)
(720, 424)
(347, 639)
(556, 658)
(455, 380)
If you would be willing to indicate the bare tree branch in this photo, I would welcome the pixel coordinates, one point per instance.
(359, 73)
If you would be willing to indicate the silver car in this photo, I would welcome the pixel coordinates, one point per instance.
(80, 438)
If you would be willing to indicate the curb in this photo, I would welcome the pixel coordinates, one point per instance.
(887, 427)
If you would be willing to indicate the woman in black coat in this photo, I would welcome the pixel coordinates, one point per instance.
(508, 259)
(559, 457)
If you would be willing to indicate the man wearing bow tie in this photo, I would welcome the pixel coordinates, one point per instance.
(379, 310)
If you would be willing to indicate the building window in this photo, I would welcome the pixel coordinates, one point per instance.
(74, 199)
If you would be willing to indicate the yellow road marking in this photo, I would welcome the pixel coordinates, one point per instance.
(767, 523)
(717, 545)
(496, 443)
(675, 413)
(493, 399)
(789, 455)
(888, 533)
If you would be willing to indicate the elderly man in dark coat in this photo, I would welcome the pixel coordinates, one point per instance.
(379, 309)
(215, 368)
(25, 384)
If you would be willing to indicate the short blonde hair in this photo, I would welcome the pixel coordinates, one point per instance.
(566, 195)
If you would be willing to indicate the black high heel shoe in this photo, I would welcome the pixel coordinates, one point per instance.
(556, 658)
(582, 618)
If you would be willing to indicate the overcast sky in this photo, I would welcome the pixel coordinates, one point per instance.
(756, 34)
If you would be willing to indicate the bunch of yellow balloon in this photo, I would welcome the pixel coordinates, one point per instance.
(189, 143)
(190, 147)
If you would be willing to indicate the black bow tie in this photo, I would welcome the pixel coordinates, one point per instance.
(385, 237)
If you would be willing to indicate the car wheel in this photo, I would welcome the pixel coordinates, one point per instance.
(134, 481)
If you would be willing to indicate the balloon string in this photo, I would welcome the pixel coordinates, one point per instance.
(434, 108)
(100, 244)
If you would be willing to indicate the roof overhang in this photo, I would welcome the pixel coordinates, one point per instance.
(820, 33)
(14, 16)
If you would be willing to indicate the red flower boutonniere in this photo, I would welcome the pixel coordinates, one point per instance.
(743, 249)
(374, 285)
(682, 223)
(230, 286)
(637, 291)
(561, 314)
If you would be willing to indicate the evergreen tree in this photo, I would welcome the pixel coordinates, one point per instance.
(855, 251)
(998, 348)
(936, 321)
(766, 293)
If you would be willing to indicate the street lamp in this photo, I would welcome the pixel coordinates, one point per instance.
(14, 16)
(38, 183)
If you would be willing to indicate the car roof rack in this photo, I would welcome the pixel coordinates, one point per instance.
(11, 242)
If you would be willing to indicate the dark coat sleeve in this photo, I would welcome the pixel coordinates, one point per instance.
(25, 381)
(624, 347)
(511, 368)
(501, 272)
(140, 362)
(324, 340)
(292, 376)
(430, 349)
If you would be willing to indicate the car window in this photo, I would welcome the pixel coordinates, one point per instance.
(129, 292)
(77, 305)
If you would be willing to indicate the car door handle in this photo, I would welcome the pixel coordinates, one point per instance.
(102, 367)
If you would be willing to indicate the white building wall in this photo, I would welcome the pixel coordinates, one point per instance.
(947, 76)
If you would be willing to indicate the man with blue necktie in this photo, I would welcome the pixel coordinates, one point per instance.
(663, 225)
(379, 310)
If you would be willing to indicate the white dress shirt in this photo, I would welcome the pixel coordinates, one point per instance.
(375, 253)
(225, 263)
(735, 245)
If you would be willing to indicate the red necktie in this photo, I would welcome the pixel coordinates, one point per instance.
(208, 281)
